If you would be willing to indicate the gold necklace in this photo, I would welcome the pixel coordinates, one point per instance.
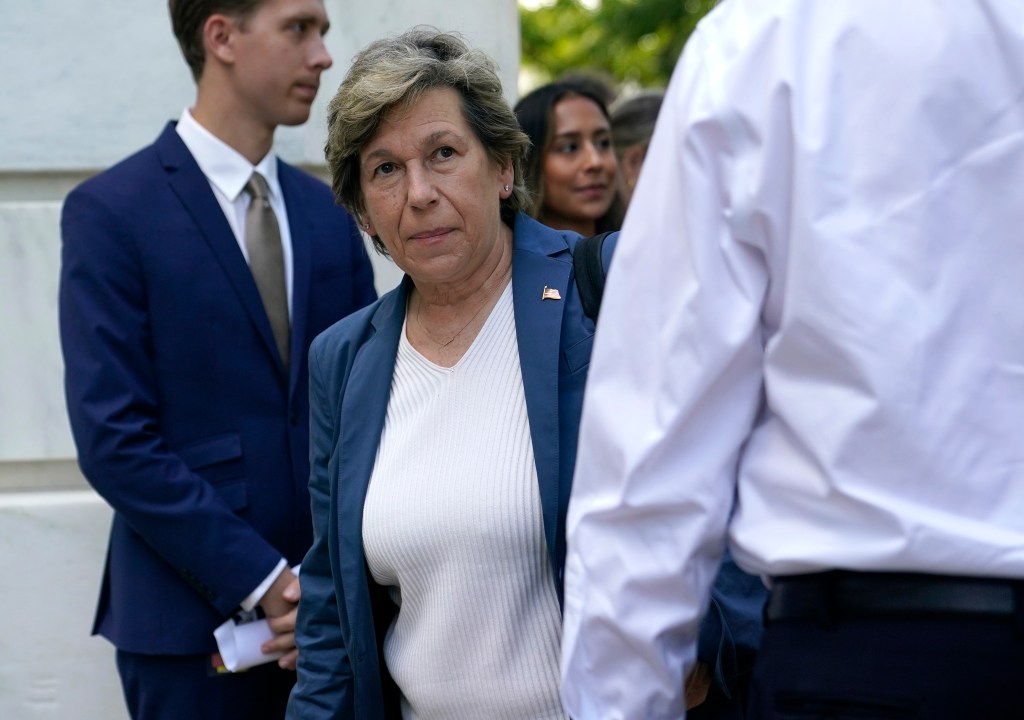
(442, 345)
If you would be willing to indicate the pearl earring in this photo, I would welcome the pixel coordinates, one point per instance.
(507, 188)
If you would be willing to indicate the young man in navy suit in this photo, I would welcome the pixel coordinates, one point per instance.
(186, 378)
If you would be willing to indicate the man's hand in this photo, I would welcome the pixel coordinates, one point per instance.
(697, 684)
(280, 605)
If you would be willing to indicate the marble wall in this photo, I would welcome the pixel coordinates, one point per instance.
(94, 82)
(33, 423)
(52, 544)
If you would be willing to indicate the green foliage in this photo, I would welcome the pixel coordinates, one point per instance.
(634, 42)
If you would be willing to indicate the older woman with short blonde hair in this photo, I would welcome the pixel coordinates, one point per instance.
(444, 417)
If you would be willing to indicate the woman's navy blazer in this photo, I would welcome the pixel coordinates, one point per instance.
(344, 615)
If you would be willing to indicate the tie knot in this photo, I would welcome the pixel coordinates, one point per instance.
(257, 187)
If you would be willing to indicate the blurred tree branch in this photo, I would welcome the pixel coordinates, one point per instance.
(634, 42)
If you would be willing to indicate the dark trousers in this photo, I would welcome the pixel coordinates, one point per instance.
(169, 687)
(955, 668)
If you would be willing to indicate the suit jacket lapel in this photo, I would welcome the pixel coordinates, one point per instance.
(538, 329)
(193, 189)
(300, 223)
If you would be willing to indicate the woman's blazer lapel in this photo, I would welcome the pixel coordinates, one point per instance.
(363, 409)
(540, 279)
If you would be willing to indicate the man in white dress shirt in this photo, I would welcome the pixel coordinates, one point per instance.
(812, 348)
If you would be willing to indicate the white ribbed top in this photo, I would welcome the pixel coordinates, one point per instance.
(452, 522)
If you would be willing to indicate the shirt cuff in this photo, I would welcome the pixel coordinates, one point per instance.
(256, 595)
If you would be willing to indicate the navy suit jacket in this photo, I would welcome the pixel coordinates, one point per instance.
(344, 614)
(184, 418)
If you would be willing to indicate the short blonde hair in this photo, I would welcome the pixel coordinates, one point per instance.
(396, 71)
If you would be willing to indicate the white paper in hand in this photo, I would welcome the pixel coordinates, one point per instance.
(239, 644)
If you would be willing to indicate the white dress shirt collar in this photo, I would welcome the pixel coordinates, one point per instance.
(226, 168)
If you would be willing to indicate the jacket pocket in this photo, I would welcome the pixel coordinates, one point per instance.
(577, 356)
(219, 461)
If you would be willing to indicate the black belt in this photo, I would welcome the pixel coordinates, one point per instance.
(842, 594)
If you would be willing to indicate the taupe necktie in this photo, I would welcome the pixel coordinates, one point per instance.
(266, 259)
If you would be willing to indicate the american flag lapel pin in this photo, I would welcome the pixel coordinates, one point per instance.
(549, 293)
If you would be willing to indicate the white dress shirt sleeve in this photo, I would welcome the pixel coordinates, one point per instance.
(673, 390)
(253, 599)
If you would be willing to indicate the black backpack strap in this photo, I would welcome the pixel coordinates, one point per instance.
(589, 270)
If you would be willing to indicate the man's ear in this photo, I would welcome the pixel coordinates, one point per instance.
(218, 38)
